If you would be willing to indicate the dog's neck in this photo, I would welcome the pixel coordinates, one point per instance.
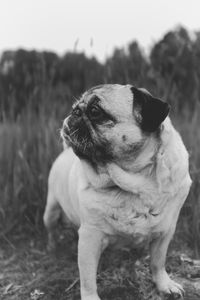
(124, 173)
(130, 174)
(145, 161)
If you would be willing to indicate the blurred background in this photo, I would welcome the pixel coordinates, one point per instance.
(52, 51)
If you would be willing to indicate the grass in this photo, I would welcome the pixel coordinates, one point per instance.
(188, 126)
(29, 272)
(27, 150)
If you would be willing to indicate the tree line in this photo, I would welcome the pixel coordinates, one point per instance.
(36, 79)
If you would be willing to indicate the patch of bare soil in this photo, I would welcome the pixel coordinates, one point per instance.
(29, 272)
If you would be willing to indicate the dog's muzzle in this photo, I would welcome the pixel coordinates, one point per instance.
(76, 133)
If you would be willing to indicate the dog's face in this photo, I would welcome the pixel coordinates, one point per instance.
(113, 121)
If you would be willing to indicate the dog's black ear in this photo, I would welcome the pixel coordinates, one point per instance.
(153, 111)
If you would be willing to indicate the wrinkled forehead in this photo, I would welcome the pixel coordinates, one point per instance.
(113, 97)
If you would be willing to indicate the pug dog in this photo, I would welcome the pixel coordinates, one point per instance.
(123, 176)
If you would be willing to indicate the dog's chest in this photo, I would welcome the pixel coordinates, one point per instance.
(138, 216)
(132, 219)
(122, 215)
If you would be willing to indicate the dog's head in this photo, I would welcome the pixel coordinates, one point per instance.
(112, 121)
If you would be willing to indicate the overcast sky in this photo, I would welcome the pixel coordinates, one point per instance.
(95, 26)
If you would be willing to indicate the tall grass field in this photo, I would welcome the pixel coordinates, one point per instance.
(28, 147)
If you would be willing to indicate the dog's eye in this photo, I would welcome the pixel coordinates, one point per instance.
(97, 115)
(95, 112)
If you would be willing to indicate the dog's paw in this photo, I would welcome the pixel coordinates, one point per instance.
(167, 286)
(173, 289)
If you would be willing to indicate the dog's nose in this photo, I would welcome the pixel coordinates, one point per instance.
(77, 112)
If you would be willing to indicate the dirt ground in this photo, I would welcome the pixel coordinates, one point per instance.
(28, 272)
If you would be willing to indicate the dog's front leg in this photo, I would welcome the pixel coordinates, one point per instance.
(90, 246)
(158, 252)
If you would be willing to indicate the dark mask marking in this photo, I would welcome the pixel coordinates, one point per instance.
(153, 111)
